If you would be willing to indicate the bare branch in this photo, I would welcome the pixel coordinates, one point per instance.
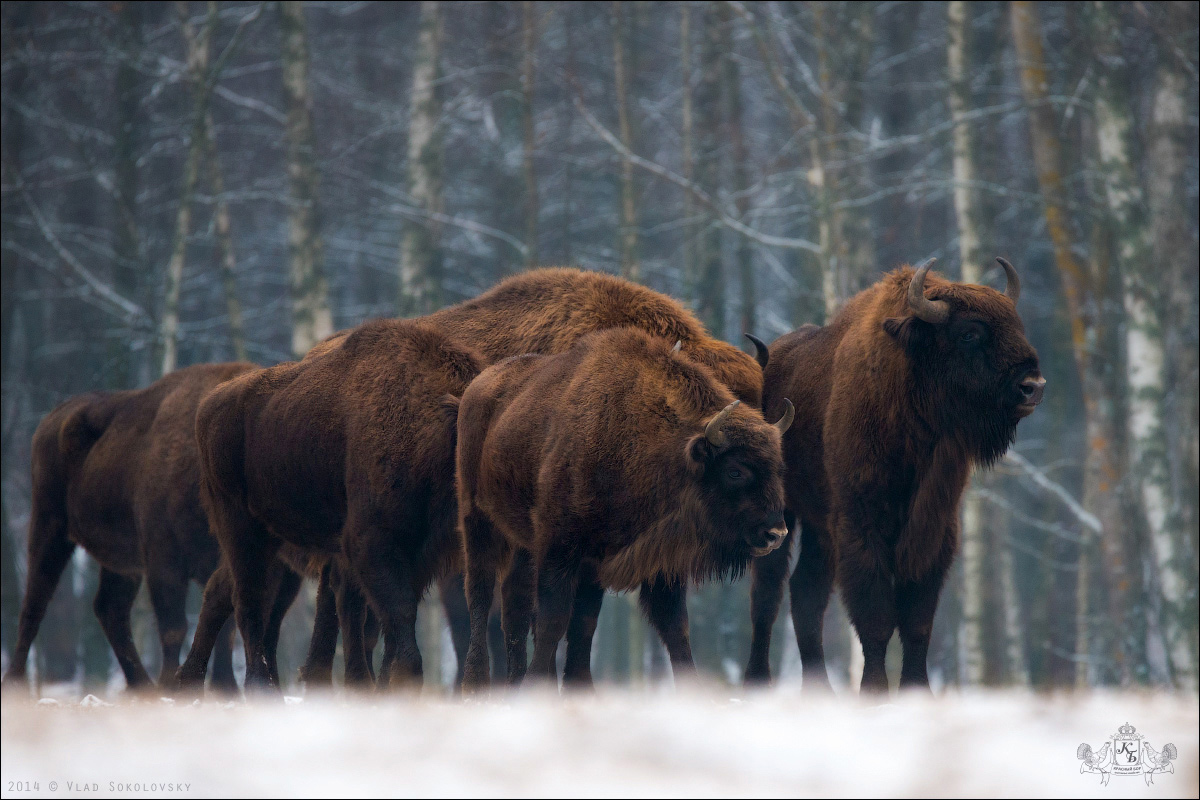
(1057, 489)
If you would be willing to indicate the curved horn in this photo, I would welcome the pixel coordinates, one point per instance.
(934, 311)
(789, 414)
(761, 354)
(1013, 290)
(678, 346)
(712, 431)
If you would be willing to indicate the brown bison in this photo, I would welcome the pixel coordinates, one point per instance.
(546, 311)
(618, 464)
(348, 454)
(117, 473)
(913, 382)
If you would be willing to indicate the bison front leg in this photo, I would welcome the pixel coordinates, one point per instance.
(318, 663)
(215, 611)
(351, 611)
(286, 589)
(870, 601)
(589, 598)
(768, 574)
(811, 586)
(916, 604)
(665, 605)
(168, 596)
(114, 601)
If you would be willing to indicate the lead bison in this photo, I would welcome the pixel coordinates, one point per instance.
(547, 311)
(912, 383)
(116, 473)
(618, 464)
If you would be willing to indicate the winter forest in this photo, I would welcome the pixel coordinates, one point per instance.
(195, 182)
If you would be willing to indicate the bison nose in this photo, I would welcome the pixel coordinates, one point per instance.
(1032, 388)
(771, 536)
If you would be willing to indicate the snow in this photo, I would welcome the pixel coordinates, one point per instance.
(695, 742)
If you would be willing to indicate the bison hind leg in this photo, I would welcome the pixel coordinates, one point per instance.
(557, 581)
(589, 598)
(113, 603)
(517, 613)
(482, 549)
(49, 551)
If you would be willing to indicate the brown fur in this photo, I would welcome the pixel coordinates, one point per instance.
(594, 463)
(117, 473)
(347, 453)
(891, 413)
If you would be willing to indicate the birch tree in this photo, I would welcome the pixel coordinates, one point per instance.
(628, 235)
(1145, 357)
(1085, 291)
(529, 39)
(312, 319)
(129, 265)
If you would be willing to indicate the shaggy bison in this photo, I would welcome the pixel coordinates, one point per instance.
(346, 454)
(545, 311)
(913, 382)
(620, 464)
(117, 473)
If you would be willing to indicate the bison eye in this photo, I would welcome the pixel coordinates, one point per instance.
(969, 337)
(734, 473)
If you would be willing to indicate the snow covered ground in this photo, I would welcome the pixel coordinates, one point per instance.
(701, 742)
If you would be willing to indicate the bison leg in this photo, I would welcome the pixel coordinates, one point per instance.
(250, 553)
(168, 596)
(49, 552)
(372, 631)
(351, 610)
(665, 605)
(557, 580)
(811, 586)
(389, 584)
(223, 679)
(318, 664)
(114, 601)
(215, 611)
(516, 612)
(916, 603)
(589, 597)
(768, 575)
(458, 618)
(286, 589)
(481, 549)
(871, 603)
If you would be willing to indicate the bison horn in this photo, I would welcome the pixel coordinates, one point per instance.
(678, 346)
(789, 414)
(760, 350)
(933, 311)
(712, 431)
(1013, 288)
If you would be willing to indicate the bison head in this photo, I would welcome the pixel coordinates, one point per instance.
(737, 466)
(974, 372)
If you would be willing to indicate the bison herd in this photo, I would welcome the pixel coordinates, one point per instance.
(562, 434)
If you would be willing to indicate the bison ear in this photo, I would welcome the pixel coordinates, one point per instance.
(908, 331)
(698, 453)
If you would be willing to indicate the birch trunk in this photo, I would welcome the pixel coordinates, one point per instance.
(628, 236)
(226, 256)
(1145, 363)
(1085, 294)
(197, 61)
(824, 180)
(528, 75)
(732, 91)
(686, 146)
(420, 268)
(312, 320)
(971, 257)
(129, 265)
(710, 263)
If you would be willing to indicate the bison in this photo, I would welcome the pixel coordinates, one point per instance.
(547, 311)
(913, 382)
(117, 473)
(348, 454)
(618, 464)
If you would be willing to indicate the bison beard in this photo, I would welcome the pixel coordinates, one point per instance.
(618, 464)
(118, 474)
(915, 380)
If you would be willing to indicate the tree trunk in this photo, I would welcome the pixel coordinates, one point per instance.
(528, 74)
(128, 266)
(966, 211)
(420, 257)
(312, 320)
(824, 180)
(628, 236)
(226, 257)
(734, 114)
(1175, 254)
(197, 60)
(1145, 363)
(710, 262)
(690, 278)
(1085, 294)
